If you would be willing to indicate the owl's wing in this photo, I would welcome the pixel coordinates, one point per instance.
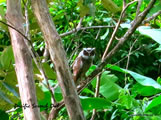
(77, 68)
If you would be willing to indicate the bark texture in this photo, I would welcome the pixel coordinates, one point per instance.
(59, 59)
(23, 61)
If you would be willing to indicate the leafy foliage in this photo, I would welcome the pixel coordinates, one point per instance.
(130, 87)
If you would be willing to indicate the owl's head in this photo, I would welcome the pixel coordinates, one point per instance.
(88, 53)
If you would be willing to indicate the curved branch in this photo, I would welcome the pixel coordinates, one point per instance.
(83, 28)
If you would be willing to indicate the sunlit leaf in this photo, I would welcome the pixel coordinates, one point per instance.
(2, 1)
(89, 103)
(154, 103)
(139, 89)
(6, 59)
(84, 9)
(153, 33)
(110, 5)
(11, 89)
(108, 88)
(4, 97)
(143, 80)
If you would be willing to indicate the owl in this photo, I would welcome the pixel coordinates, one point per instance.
(82, 64)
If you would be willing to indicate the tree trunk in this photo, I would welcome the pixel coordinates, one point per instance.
(59, 59)
(23, 61)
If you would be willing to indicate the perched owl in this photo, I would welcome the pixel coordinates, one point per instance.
(82, 64)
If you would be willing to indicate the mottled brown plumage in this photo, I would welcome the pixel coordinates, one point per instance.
(82, 64)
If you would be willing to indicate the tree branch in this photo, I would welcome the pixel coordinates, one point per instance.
(83, 28)
(34, 56)
(113, 52)
(115, 30)
(138, 7)
(152, 17)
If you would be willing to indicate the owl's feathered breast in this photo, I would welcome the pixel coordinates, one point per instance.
(80, 67)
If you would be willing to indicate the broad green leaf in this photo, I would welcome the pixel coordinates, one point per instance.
(110, 5)
(49, 71)
(126, 100)
(84, 9)
(2, 1)
(39, 93)
(143, 80)
(89, 103)
(11, 78)
(2, 12)
(58, 94)
(158, 49)
(116, 68)
(153, 33)
(125, 25)
(155, 102)
(3, 96)
(11, 89)
(139, 89)
(45, 101)
(88, 91)
(6, 59)
(91, 69)
(108, 88)
(159, 80)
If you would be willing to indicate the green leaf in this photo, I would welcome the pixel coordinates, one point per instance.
(6, 59)
(84, 9)
(2, 12)
(126, 100)
(155, 102)
(105, 35)
(108, 88)
(144, 90)
(110, 5)
(2, 1)
(11, 89)
(153, 33)
(143, 80)
(125, 25)
(2, 95)
(88, 91)
(49, 71)
(91, 69)
(158, 49)
(89, 103)
(116, 68)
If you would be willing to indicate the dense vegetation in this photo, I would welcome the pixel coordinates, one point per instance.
(130, 87)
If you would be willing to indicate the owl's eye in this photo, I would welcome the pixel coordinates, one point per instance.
(92, 53)
(85, 53)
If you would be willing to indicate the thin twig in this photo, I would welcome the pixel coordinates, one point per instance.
(46, 53)
(129, 32)
(116, 28)
(83, 28)
(27, 19)
(98, 34)
(138, 7)
(107, 48)
(96, 95)
(128, 58)
(152, 17)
